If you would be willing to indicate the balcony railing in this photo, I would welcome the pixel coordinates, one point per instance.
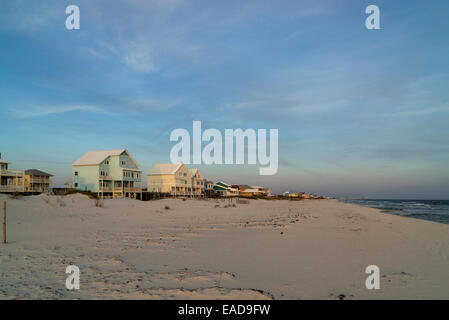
(12, 173)
(37, 189)
(39, 180)
(106, 178)
(12, 188)
(119, 189)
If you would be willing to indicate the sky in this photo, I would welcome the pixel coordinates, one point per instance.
(360, 113)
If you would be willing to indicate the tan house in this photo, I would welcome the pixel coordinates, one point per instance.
(173, 178)
(209, 188)
(31, 180)
(10, 180)
(37, 181)
(198, 182)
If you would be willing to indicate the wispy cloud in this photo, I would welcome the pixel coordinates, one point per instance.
(411, 113)
(45, 111)
(138, 56)
(29, 17)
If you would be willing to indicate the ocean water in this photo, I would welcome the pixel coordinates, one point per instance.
(433, 210)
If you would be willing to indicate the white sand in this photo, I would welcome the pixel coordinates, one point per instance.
(313, 249)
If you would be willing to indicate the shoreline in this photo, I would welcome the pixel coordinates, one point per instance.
(427, 210)
(209, 249)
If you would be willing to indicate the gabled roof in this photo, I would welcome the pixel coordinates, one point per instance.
(195, 171)
(98, 156)
(35, 172)
(165, 168)
(222, 184)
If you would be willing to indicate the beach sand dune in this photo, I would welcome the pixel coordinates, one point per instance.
(216, 249)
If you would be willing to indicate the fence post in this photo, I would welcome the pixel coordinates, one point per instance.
(4, 221)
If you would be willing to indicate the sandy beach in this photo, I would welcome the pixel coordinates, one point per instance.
(217, 249)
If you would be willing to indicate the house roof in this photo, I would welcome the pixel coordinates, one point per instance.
(165, 168)
(98, 156)
(35, 172)
(222, 184)
(196, 171)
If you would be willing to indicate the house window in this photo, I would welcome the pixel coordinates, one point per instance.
(76, 184)
(123, 163)
(76, 173)
(106, 162)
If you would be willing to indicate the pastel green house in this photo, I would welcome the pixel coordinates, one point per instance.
(110, 173)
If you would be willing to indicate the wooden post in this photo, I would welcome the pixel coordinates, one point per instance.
(4, 221)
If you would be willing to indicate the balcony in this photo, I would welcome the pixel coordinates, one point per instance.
(39, 181)
(12, 173)
(119, 189)
(37, 189)
(11, 188)
(106, 178)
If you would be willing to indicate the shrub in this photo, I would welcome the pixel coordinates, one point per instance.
(98, 203)
(15, 195)
(61, 202)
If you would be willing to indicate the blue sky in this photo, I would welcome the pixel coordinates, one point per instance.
(360, 112)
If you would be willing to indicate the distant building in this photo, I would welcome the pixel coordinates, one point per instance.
(37, 181)
(173, 178)
(11, 180)
(198, 182)
(110, 173)
(225, 190)
(28, 181)
(209, 188)
(254, 191)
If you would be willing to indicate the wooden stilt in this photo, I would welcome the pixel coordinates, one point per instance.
(4, 221)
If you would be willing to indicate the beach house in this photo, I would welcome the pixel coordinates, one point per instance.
(23, 181)
(198, 182)
(172, 178)
(246, 190)
(225, 190)
(209, 188)
(110, 173)
(37, 181)
(10, 180)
